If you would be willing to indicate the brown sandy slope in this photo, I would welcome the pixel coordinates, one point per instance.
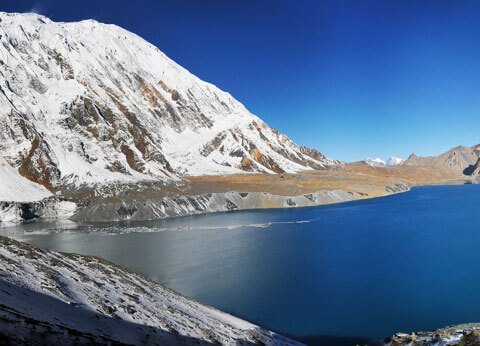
(356, 177)
(361, 180)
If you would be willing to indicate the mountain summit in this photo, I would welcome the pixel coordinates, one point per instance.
(86, 102)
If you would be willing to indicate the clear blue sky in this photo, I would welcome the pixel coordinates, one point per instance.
(350, 78)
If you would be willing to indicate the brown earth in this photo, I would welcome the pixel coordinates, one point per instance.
(355, 177)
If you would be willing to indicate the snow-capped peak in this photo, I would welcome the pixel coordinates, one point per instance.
(394, 161)
(87, 102)
(378, 162)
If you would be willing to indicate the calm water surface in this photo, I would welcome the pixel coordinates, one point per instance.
(362, 269)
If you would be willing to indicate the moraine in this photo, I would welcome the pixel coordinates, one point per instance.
(356, 271)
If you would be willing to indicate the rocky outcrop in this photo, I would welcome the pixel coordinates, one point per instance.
(46, 209)
(462, 335)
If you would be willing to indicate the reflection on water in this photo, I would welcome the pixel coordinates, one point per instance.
(365, 269)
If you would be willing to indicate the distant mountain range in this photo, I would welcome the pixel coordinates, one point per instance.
(86, 103)
(462, 159)
(378, 162)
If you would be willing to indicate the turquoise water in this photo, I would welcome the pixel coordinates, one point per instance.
(338, 273)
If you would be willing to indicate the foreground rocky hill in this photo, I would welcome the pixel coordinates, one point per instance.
(91, 103)
(52, 298)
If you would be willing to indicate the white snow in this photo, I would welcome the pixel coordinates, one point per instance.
(378, 162)
(15, 188)
(394, 161)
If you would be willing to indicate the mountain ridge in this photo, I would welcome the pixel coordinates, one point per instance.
(458, 158)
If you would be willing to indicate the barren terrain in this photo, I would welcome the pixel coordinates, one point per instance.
(355, 177)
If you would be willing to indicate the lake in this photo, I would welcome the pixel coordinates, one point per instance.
(328, 275)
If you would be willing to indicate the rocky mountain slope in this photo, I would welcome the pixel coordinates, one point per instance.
(85, 103)
(459, 158)
(53, 298)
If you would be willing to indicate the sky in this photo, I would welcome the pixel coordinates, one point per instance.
(353, 79)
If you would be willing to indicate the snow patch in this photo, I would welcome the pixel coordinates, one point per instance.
(15, 188)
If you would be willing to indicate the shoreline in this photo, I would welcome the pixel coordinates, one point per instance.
(179, 206)
(204, 194)
(156, 200)
(55, 209)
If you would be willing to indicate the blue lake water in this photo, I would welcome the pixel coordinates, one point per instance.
(362, 269)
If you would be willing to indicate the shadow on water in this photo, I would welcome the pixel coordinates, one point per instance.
(328, 340)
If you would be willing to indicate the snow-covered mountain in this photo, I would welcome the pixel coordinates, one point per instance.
(378, 162)
(88, 102)
(394, 161)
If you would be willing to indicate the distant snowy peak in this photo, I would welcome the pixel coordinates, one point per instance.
(394, 161)
(87, 102)
(378, 162)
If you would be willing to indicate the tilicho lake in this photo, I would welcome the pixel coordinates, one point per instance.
(335, 274)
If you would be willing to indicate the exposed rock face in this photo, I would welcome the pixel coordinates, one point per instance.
(87, 102)
(458, 158)
(46, 209)
(151, 209)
